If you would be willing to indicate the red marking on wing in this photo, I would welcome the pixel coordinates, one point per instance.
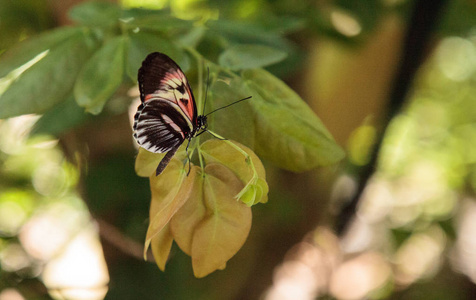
(188, 108)
(160, 77)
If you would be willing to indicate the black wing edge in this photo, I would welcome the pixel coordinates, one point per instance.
(152, 72)
(165, 161)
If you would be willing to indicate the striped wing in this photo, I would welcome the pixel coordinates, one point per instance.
(168, 114)
(160, 78)
(159, 126)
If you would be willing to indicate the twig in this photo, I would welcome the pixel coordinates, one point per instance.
(124, 243)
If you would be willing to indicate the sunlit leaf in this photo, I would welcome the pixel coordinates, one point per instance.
(226, 225)
(262, 191)
(147, 162)
(217, 151)
(184, 222)
(170, 190)
(101, 76)
(249, 196)
(161, 245)
(49, 80)
(248, 56)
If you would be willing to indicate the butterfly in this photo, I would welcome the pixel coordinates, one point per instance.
(167, 115)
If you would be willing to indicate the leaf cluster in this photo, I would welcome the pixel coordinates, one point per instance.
(69, 70)
(89, 62)
(200, 210)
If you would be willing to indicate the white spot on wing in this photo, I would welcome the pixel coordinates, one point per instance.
(172, 123)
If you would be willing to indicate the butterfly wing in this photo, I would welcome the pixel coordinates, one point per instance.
(160, 78)
(167, 115)
(159, 127)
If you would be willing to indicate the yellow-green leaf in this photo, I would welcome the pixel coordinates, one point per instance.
(249, 196)
(262, 191)
(160, 245)
(169, 193)
(217, 151)
(287, 130)
(226, 225)
(147, 162)
(183, 223)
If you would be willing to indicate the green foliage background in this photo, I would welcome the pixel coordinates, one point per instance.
(79, 79)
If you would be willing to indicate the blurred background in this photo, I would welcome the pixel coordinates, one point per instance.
(394, 81)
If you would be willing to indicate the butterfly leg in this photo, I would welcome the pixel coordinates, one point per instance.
(188, 157)
(165, 161)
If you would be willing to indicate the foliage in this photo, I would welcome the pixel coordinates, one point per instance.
(97, 60)
(205, 218)
(98, 52)
(79, 81)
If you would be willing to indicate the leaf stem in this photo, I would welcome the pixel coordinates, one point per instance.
(200, 83)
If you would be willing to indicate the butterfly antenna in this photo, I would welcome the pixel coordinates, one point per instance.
(249, 97)
(206, 90)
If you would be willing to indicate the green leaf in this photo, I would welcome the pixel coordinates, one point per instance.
(130, 14)
(242, 128)
(246, 33)
(101, 76)
(143, 43)
(276, 123)
(283, 24)
(25, 51)
(287, 131)
(49, 80)
(64, 116)
(23, 18)
(250, 56)
(191, 38)
(159, 22)
(95, 13)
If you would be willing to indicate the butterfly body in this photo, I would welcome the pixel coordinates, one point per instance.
(167, 115)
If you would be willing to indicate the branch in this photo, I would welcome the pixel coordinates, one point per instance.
(122, 242)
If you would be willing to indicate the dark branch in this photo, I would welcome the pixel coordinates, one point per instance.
(425, 16)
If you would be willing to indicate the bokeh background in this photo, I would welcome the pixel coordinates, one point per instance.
(394, 81)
